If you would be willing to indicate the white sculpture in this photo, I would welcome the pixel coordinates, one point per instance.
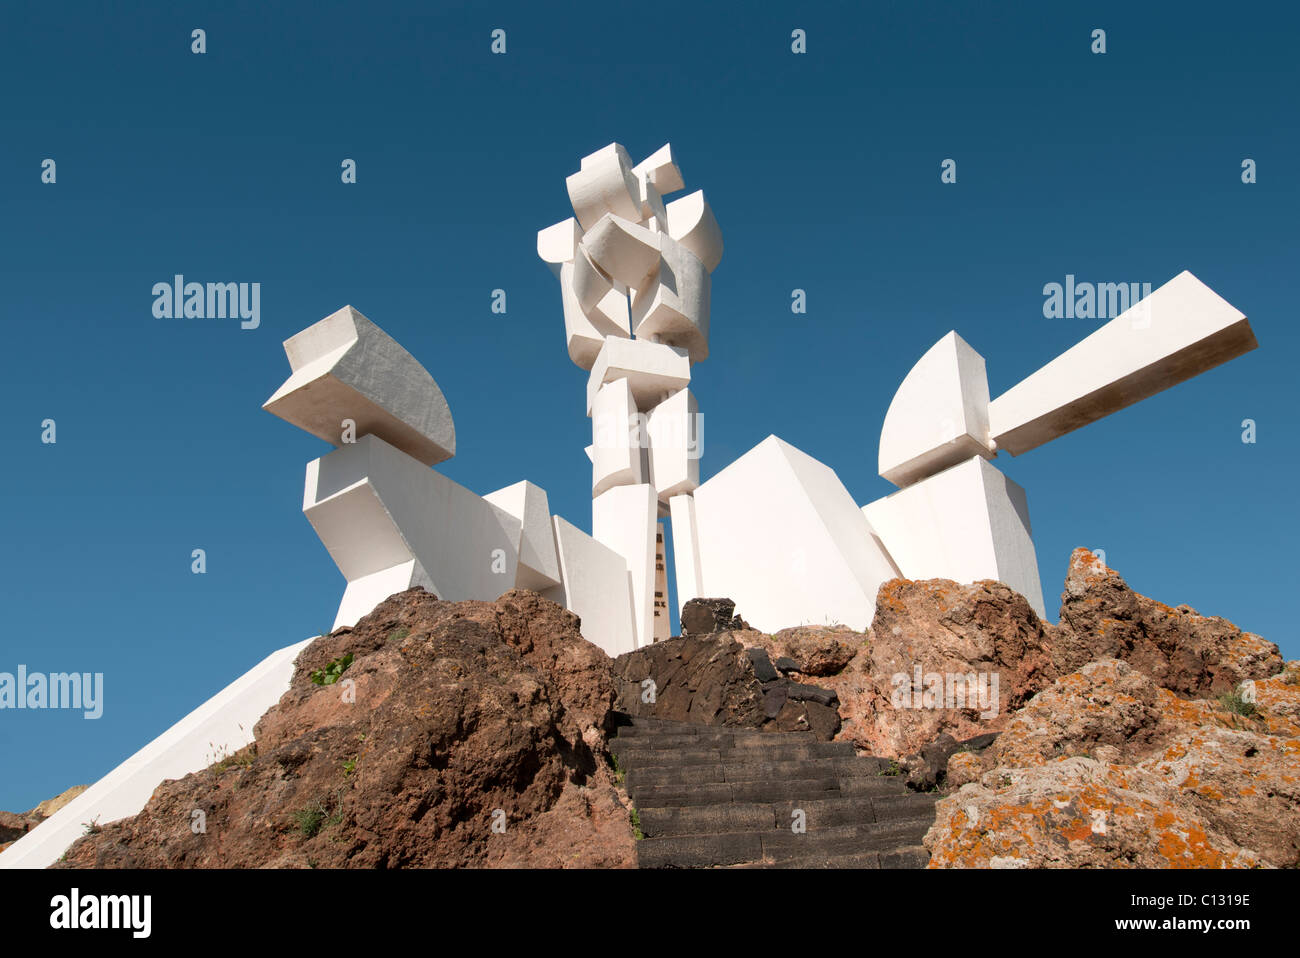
(634, 284)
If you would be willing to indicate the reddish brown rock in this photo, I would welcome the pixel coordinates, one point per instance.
(1106, 769)
(1188, 653)
(464, 715)
(984, 630)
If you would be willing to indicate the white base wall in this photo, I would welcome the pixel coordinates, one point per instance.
(966, 523)
(220, 726)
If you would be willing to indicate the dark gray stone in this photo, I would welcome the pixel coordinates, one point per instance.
(707, 616)
(787, 664)
(812, 693)
(763, 670)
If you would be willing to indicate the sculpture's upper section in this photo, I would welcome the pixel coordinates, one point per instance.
(347, 368)
(629, 265)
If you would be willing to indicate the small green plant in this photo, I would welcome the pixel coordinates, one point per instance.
(636, 826)
(893, 768)
(349, 767)
(1235, 703)
(330, 674)
(92, 827)
(398, 634)
(309, 820)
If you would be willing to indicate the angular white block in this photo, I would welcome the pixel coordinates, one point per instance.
(780, 535)
(622, 249)
(674, 308)
(623, 518)
(604, 184)
(1180, 330)
(653, 212)
(367, 591)
(585, 334)
(346, 367)
(660, 168)
(616, 438)
(539, 566)
(939, 416)
(675, 431)
(595, 587)
(966, 523)
(590, 283)
(559, 243)
(375, 508)
(691, 222)
(686, 549)
(651, 370)
(219, 727)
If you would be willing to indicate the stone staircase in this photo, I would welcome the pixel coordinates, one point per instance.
(713, 796)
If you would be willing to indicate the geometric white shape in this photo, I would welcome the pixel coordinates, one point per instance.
(675, 431)
(590, 282)
(346, 367)
(967, 523)
(374, 507)
(651, 369)
(558, 244)
(604, 184)
(220, 726)
(1178, 331)
(939, 416)
(622, 249)
(539, 567)
(616, 438)
(660, 168)
(585, 333)
(367, 591)
(686, 549)
(595, 587)
(780, 535)
(623, 518)
(674, 307)
(653, 212)
(691, 222)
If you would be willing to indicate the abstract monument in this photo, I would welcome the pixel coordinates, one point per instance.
(776, 530)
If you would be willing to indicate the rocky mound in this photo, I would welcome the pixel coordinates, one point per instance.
(14, 825)
(433, 734)
(1107, 769)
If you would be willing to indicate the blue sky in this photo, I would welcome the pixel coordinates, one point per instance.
(823, 170)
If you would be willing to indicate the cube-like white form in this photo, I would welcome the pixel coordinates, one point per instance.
(346, 367)
(686, 549)
(674, 307)
(604, 184)
(651, 370)
(219, 727)
(622, 249)
(676, 434)
(660, 168)
(624, 518)
(939, 416)
(585, 333)
(780, 535)
(596, 587)
(967, 523)
(590, 282)
(654, 215)
(375, 508)
(1178, 331)
(691, 222)
(539, 567)
(616, 438)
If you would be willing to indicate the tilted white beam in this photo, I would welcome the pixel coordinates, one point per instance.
(1180, 330)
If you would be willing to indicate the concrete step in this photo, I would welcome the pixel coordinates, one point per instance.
(695, 754)
(708, 738)
(829, 860)
(907, 856)
(752, 816)
(858, 843)
(802, 790)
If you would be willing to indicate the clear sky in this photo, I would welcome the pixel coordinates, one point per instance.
(823, 170)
